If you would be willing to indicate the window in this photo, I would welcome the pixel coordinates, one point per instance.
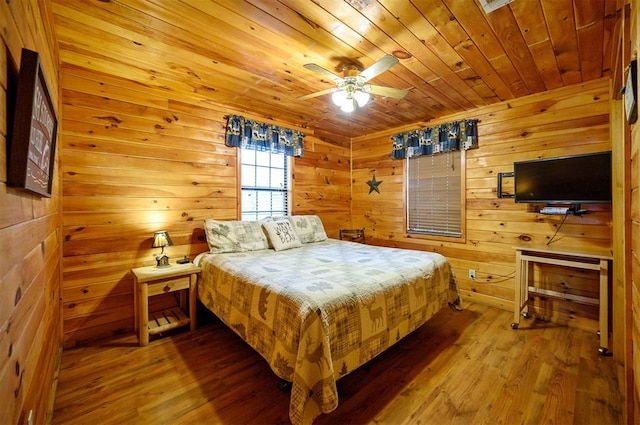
(435, 203)
(264, 184)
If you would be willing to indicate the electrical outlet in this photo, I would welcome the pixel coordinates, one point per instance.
(472, 274)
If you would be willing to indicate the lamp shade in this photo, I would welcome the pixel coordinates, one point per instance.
(339, 97)
(361, 97)
(348, 106)
(161, 239)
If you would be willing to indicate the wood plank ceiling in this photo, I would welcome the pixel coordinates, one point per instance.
(250, 54)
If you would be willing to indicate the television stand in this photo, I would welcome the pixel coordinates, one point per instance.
(587, 259)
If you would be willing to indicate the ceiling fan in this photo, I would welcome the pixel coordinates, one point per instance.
(351, 90)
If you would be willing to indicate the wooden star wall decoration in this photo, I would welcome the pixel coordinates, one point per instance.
(373, 184)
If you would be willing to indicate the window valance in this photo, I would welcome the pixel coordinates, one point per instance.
(446, 137)
(250, 134)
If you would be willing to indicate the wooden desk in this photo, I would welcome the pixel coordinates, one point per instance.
(597, 260)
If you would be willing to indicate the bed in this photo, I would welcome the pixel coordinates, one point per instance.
(317, 308)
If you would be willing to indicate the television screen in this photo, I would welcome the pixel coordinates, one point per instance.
(564, 180)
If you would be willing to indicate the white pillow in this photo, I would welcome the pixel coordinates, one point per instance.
(308, 227)
(234, 236)
(281, 235)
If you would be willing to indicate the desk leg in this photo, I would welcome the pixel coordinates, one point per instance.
(604, 308)
(521, 282)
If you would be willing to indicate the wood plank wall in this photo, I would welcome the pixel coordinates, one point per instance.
(561, 122)
(135, 162)
(632, 18)
(30, 278)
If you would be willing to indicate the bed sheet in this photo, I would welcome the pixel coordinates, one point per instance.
(318, 312)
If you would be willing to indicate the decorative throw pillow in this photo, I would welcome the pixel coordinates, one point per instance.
(308, 227)
(234, 236)
(282, 235)
(266, 235)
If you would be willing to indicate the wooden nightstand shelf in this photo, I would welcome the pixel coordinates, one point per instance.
(150, 281)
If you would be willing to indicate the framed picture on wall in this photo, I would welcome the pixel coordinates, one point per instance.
(33, 141)
(631, 93)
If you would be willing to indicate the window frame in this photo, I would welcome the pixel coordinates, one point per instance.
(463, 205)
(288, 164)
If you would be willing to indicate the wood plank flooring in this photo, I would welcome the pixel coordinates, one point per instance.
(465, 367)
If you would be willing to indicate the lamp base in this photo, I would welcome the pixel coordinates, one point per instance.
(162, 260)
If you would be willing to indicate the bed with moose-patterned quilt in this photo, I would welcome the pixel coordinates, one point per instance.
(316, 308)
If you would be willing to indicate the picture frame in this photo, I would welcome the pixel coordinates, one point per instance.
(31, 157)
(631, 93)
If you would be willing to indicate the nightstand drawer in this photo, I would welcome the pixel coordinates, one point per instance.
(169, 285)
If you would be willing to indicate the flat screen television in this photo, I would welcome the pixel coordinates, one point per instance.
(576, 179)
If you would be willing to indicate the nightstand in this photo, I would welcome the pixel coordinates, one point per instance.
(352, 235)
(152, 280)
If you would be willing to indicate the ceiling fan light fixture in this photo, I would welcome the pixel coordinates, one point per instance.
(339, 97)
(362, 97)
(348, 106)
(351, 92)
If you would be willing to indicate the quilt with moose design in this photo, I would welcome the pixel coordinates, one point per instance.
(318, 312)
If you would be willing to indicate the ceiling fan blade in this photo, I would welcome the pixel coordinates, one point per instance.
(318, 93)
(386, 91)
(386, 62)
(320, 70)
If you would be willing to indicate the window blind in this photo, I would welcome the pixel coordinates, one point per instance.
(434, 194)
(264, 184)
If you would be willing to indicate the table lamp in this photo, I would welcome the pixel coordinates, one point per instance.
(160, 240)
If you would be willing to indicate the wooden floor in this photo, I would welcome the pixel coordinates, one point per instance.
(460, 368)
